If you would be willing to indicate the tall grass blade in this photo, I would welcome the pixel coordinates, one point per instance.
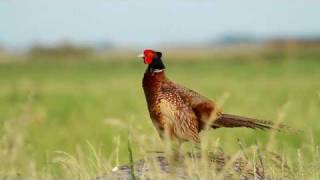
(133, 177)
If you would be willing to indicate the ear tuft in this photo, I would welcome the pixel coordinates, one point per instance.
(159, 54)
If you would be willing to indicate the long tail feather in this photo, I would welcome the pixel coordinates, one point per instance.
(229, 120)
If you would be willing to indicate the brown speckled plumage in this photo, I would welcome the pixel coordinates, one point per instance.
(180, 113)
(170, 111)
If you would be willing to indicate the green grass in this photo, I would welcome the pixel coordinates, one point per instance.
(48, 106)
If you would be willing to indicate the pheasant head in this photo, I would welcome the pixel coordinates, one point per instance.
(153, 60)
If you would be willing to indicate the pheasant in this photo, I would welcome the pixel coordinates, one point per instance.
(179, 113)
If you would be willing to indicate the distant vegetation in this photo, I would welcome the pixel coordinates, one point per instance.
(225, 47)
(61, 50)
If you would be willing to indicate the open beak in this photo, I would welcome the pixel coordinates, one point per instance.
(140, 56)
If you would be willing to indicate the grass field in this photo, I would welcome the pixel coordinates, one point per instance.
(88, 108)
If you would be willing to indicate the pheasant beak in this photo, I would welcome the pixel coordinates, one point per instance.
(140, 56)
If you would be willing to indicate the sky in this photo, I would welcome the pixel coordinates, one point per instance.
(149, 22)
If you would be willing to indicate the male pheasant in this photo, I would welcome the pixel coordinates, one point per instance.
(179, 113)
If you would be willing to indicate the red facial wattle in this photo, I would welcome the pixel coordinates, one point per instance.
(148, 56)
(148, 60)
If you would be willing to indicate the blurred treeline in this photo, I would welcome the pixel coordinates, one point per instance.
(276, 48)
(62, 50)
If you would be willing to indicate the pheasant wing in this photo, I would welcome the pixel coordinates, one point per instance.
(180, 118)
(205, 109)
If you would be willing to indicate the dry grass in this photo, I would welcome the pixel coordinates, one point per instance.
(210, 162)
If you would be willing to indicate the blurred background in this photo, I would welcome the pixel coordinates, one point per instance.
(70, 79)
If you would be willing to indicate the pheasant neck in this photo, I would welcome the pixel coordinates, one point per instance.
(152, 81)
(156, 66)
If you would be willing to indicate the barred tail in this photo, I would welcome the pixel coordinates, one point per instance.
(228, 120)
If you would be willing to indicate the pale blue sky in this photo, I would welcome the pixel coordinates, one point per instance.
(149, 22)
